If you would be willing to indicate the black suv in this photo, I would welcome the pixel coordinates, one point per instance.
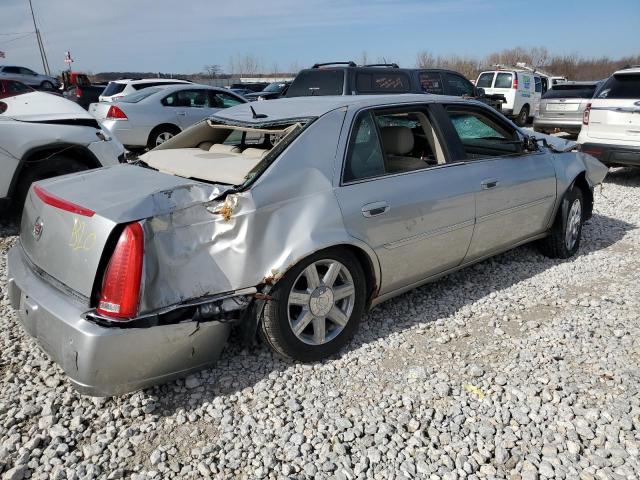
(347, 78)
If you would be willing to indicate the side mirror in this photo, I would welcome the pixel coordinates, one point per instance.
(530, 143)
(480, 92)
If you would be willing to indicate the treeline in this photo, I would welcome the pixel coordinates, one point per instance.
(572, 66)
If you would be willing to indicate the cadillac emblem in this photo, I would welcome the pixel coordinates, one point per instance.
(38, 226)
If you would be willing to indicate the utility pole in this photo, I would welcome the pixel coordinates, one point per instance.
(43, 55)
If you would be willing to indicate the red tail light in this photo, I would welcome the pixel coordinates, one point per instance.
(78, 92)
(586, 114)
(115, 113)
(61, 203)
(120, 293)
(515, 82)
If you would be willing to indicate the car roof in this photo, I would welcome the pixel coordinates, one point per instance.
(188, 86)
(629, 70)
(149, 80)
(311, 107)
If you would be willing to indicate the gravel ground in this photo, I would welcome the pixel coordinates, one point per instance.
(520, 367)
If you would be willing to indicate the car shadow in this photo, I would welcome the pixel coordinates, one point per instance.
(240, 368)
(9, 222)
(625, 177)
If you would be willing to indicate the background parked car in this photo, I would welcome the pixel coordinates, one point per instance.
(347, 78)
(11, 88)
(78, 88)
(241, 91)
(272, 91)
(251, 86)
(562, 106)
(120, 88)
(611, 121)
(520, 91)
(28, 77)
(44, 135)
(153, 115)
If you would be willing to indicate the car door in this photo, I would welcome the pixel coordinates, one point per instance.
(400, 196)
(189, 106)
(29, 77)
(516, 188)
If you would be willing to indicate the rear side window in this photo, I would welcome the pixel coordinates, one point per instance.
(317, 82)
(365, 157)
(382, 82)
(485, 80)
(562, 90)
(113, 89)
(430, 82)
(625, 86)
(187, 99)
(458, 86)
(504, 80)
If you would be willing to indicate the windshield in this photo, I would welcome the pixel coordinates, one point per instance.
(274, 87)
(317, 82)
(485, 80)
(562, 90)
(141, 95)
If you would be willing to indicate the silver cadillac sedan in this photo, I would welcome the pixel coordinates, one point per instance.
(287, 219)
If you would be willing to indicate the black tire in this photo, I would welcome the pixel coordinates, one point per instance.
(557, 243)
(46, 85)
(159, 132)
(39, 170)
(276, 328)
(523, 117)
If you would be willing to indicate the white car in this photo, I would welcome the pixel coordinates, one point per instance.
(152, 116)
(611, 122)
(44, 135)
(28, 77)
(120, 88)
(521, 91)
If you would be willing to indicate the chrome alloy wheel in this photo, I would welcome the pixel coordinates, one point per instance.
(321, 302)
(163, 137)
(573, 224)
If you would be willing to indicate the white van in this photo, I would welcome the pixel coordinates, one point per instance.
(611, 122)
(520, 90)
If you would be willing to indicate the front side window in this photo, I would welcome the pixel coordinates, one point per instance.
(504, 80)
(483, 135)
(26, 71)
(224, 100)
(485, 80)
(458, 86)
(389, 142)
(431, 83)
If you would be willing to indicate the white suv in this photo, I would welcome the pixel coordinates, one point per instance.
(120, 88)
(44, 135)
(611, 122)
(519, 90)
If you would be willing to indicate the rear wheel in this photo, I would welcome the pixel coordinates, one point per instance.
(523, 116)
(161, 134)
(564, 239)
(316, 307)
(41, 169)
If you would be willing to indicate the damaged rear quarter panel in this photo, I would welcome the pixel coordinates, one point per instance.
(288, 213)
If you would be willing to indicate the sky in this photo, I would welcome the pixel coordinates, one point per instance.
(184, 36)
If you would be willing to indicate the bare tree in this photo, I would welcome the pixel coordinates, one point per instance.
(425, 59)
(364, 58)
(212, 70)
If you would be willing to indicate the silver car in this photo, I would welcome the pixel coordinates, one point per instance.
(562, 107)
(290, 218)
(154, 114)
(28, 77)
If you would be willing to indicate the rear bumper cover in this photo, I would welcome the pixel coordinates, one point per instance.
(558, 124)
(106, 361)
(613, 154)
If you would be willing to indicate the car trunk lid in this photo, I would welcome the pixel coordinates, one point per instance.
(69, 222)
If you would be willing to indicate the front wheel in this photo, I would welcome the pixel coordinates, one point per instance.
(563, 240)
(523, 116)
(46, 85)
(316, 307)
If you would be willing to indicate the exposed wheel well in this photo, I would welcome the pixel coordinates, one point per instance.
(587, 194)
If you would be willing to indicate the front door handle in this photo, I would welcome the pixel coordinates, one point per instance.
(374, 209)
(182, 114)
(488, 183)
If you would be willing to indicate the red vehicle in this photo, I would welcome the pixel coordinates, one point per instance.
(11, 88)
(77, 87)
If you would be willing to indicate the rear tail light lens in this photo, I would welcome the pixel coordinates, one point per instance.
(120, 293)
(78, 92)
(515, 82)
(116, 113)
(61, 203)
(586, 114)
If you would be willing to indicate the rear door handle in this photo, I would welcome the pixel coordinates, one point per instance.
(488, 183)
(374, 209)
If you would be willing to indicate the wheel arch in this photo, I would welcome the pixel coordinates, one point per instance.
(76, 151)
(157, 127)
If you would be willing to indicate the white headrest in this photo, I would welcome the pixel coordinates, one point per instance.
(397, 140)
